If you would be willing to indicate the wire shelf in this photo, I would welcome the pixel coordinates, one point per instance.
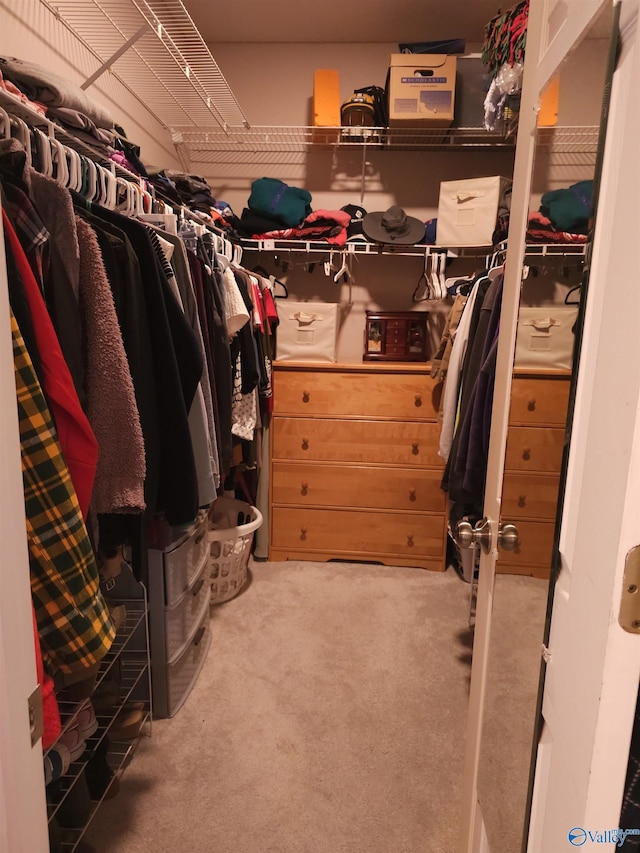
(156, 52)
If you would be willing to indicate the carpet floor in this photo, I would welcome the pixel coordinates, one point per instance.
(330, 716)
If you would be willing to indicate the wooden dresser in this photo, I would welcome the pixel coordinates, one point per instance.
(533, 458)
(355, 472)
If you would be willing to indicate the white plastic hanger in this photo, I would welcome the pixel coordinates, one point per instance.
(344, 269)
(60, 168)
(44, 152)
(5, 124)
(92, 179)
(75, 169)
(22, 133)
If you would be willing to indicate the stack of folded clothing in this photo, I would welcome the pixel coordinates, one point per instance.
(564, 216)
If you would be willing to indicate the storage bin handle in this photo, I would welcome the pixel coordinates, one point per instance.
(199, 635)
(197, 587)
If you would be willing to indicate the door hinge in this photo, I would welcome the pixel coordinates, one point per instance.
(36, 724)
(629, 616)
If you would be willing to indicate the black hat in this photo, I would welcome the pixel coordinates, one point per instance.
(393, 226)
(357, 214)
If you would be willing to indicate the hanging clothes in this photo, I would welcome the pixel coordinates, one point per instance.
(73, 621)
(78, 443)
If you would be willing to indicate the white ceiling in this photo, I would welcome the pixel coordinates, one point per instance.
(350, 21)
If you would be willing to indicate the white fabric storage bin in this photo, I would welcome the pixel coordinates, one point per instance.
(307, 331)
(468, 211)
(545, 337)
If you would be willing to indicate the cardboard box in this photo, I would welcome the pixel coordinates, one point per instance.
(468, 211)
(421, 90)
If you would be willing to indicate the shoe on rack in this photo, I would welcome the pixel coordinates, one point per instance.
(85, 716)
(118, 616)
(128, 723)
(56, 762)
(73, 741)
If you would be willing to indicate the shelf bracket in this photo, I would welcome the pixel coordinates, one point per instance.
(123, 49)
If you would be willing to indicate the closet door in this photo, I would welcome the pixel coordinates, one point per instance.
(592, 674)
(23, 815)
(553, 29)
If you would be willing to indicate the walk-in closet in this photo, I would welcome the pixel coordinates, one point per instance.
(319, 413)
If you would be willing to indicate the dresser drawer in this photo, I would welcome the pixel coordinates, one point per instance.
(539, 401)
(357, 486)
(332, 393)
(183, 618)
(534, 449)
(356, 441)
(183, 564)
(353, 532)
(536, 545)
(529, 496)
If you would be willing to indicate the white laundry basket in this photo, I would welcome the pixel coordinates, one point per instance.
(231, 527)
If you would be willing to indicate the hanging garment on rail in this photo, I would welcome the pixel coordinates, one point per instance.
(78, 443)
(74, 625)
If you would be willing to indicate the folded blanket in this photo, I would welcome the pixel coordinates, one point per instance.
(40, 84)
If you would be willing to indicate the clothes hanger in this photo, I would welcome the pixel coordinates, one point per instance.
(75, 169)
(423, 281)
(276, 281)
(344, 272)
(61, 170)
(44, 152)
(5, 124)
(22, 133)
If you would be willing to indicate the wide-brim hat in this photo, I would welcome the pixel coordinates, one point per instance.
(393, 226)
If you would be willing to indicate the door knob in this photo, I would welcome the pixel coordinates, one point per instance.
(508, 538)
(466, 535)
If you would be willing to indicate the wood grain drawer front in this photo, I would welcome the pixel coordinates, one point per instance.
(529, 496)
(329, 440)
(357, 486)
(534, 449)
(397, 396)
(539, 401)
(536, 544)
(357, 532)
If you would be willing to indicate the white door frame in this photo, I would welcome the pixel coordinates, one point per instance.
(591, 682)
(553, 30)
(23, 811)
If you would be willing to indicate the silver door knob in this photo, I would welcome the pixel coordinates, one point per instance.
(508, 537)
(466, 536)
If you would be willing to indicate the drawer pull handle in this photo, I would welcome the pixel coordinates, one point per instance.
(526, 454)
(303, 533)
(531, 405)
(415, 448)
(304, 488)
(412, 494)
(418, 400)
(522, 501)
(305, 443)
(199, 635)
(410, 540)
(197, 587)
(305, 396)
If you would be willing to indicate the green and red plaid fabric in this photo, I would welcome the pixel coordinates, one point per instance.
(73, 621)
